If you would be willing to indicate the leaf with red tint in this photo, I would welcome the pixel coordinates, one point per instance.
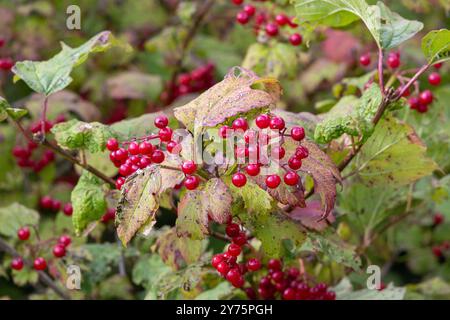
(310, 216)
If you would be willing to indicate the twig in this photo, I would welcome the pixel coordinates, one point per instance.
(380, 70)
(43, 277)
(44, 117)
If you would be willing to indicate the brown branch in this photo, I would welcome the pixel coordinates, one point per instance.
(43, 277)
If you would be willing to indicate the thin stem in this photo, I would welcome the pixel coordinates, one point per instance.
(44, 117)
(380, 70)
(412, 80)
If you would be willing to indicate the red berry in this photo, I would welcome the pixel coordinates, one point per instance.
(133, 148)
(249, 9)
(20, 152)
(233, 275)
(225, 132)
(158, 156)
(273, 181)
(292, 23)
(2, 42)
(253, 264)
(240, 124)
(183, 79)
(191, 182)
(46, 202)
(407, 92)
(238, 2)
(426, 97)
(125, 170)
(252, 169)
(274, 264)
(242, 17)
(437, 251)
(234, 250)
(278, 152)
(188, 167)
(59, 251)
(239, 179)
(393, 61)
(216, 259)
(17, 263)
(271, 29)
(434, 79)
(289, 294)
(438, 219)
(68, 209)
(438, 65)
(120, 182)
(262, 121)
(23, 233)
(301, 152)
(251, 294)
(223, 267)
(161, 122)
(56, 205)
(121, 154)
(414, 102)
(277, 123)
(298, 133)
(232, 230)
(281, 19)
(293, 272)
(365, 59)
(165, 134)
(65, 241)
(173, 147)
(6, 64)
(422, 108)
(240, 239)
(291, 178)
(330, 295)
(40, 264)
(296, 39)
(112, 144)
(145, 147)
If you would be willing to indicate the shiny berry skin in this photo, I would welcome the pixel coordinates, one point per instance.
(301, 152)
(188, 167)
(414, 102)
(237, 2)
(183, 79)
(225, 132)
(250, 10)
(291, 178)
(434, 79)
(232, 230)
(165, 134)
(23, 233)
(330, 295)
(17, 264)
(277, 123)
(262, 121)
(40, 264)
(234, 250)
(240, 239)
(59, 251)
(253, 264)
(393, 61)
(121, 154)
(65, 241)
(233, 275)
(120, 182)
(46, 202)
(56, 205)
(125, 170)
(293, 272)
(112, 144)
(298, 133)
(68, 209)
(239, 179)
(240, 124)
(422, 108)
(296, 39)
(133, 148)
(437, 66)
(289, 294)
(273, 181)
(274, 264)
(191, 182)
(223, 267)
(157, 156)
(281, 19)
(216, 259)
(6, 64)
(173, 147)
(365, 59)
(242, 17)
(161, 122)
(252, 169)
(426, 97)
(145, 147)
(271, 29)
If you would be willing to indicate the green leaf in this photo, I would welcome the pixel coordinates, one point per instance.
(53, 75)
(88, 201)
(344, 291)
(436, 46)
(394, 154)
(139, 200)
(15, 216)
(220, 292)
(387, 28)
(81, 135)
(148, 270)
(134, 85)
(7, 111)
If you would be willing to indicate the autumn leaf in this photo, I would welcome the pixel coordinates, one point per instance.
(310, 216)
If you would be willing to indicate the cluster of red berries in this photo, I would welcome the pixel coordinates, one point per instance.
(137, 155)
(49, 204)
(393, 59)
(258, 140)
(197, 80)
(5, 63)
(40, 263)
(440, 249)
(288, 285)
(271, 24)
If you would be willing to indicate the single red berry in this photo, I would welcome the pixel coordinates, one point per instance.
(365, 59)
(438, 219)
(233, 275)
(292, 23)
(46, 202)
(145, 147)
(422, 108)
(271, 29)
(426, 97)
(298, 133)
(216, 259)
(133, 148)
(330, 295)
(40, 264)
(237, 2)
(120, 182)
(240, 124)
(65, 241)
(239, 179)
(252, 169)
(262, 121)
(281, 19)
(291, 178)
(250, 10)
(234, 250)
(68, 209)
(223, 267)
(125, 170)
(393, 61)
(135, 160)
(191, 182)
(165, 134)
(2, 42)
(161, 121)
(17, 263)
(6, 64)
(273, 181)
(232, 230)
(414, 102)
(434, 79)
(274, 264)
(23, 233)
(56, 205)
(240, 239)
(437, 251)
(59, 251)
(20, 152)
(437, 66)
(277, 123)
(293, 272)
(121, 154)
(251, 294)
(225, 132)
(289, 294)
(157, 156)
(296, 39)
(242, 17)
(301, 152)
(183, 79)
(173, 147)
(112, 144)
(253, 264)
(188, 167)
(278, 152)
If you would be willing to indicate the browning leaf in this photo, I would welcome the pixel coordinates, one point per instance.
(218, 200)
(294, 196)
(310, 216)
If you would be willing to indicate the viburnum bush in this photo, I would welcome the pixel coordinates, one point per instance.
(293, 150)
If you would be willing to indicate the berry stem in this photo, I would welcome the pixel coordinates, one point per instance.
(380, 70)
(44, 117)
(412, 80)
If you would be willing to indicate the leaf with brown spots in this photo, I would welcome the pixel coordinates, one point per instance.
(310, 216)
(294, 196)
(232, 96)
(218, 200)
(139, 200)
(176, 251)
